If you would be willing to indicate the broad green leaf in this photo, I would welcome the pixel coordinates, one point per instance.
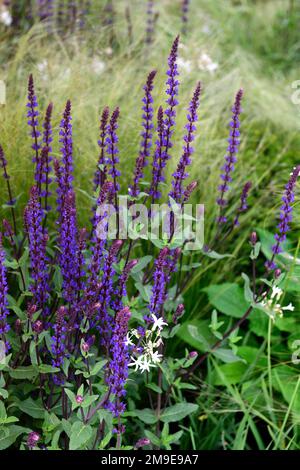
(22, 373)
(33, 408)
(9, 436)
(143, 262)
(233, 373)
(80, 434)
(175, 413)
(147, 415)
(227, 298)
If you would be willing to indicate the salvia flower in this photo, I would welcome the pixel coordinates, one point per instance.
(286, 216)
(121, 290)
(230, 157)
(66, 172)
(158, 156)
(101, 171)
(46, 158)
(150, 21)
(33, 123)
(118, 366)
(146, 135)
(4, 327)
(37, 238)
(58, 343)
(181, 174)
(112, 149)
(184, 16)
(243, 204)
(105, 293)
(144, 441)
(160, 279)
(33, 439)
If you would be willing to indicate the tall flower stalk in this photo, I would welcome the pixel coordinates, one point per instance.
(33, 114)
(4, 327)
(230, 157)
(37, 238)
(46, 157)
(157, 157)
(146, 135)
(113, 152)
(11, 200)
(181, 174)
(101, 171)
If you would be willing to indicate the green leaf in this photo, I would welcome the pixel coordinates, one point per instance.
(80, 434)
(154, 439)
(145, 291)
(175, 413)
(143, 262)
(21, 373)
(9, 436)
(154, 387)
(226, 355)
(147, 415)
(33, 408)
(227, 298)
(228, 373)
(197, 334)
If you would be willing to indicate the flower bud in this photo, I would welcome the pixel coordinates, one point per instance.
(253, 238)
(32, 439)
(142, 442)
(178, 313)
(79, 399)
(38, 327)
(18, 327)
(277, 273)
(192, 355)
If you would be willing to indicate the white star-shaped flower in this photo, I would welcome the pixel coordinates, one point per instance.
(158, 323)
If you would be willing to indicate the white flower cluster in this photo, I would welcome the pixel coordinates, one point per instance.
(5, 16)
(272, 306)
(146, 345)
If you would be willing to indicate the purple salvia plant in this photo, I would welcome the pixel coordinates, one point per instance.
(230, 156)
(66, 167)
(11, 200)
(118, 365)
(181, 174)
(170, 113)
(157, 157)
(33, 123)
(286, 217)
(4, 327)
(46, 157)
(243, 204)
(68, 245)
(58, 340)
(150, 22)
(159, 285)
(37, 238)
(101, 172)
(113, 151)
(121, 291)
(146, 134)
(184, 14)
(189, 190)
(105, 293)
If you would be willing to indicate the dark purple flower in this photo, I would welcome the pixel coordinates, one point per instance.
(142, 442)
(230, 157)
(178, 313)
(32, 439)
(286, 217)
(101, 171)
(58, 346)
(150, 22)
(65, 175)
(11, 201)
(46, 158)
(146, 134)
(160, 281)
(33, 123)
(113, 151)
(121, 290)
(189, 190)
(158, 156)
(37, 238)
(181, 174)
(4, 327)
(118, 366)
(243, 205)
(105, 292)
(164, 144)
(184, 16)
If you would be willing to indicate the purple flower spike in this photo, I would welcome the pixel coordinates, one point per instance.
(46, 159)
(11, 201)
(33, 439)
(58, 346)
(286, 217)
(105, 293)
(4, 327)
(146, 143)
(185, 10)
(33, 123)
(160, 279)
(121, 290)
(118, 366)
(66, 177)
(150, 22)
(37, 238)
(243, 205)
(230, 157)
(158, 156)
(68, 244)
(180, 174)
(165, 144)
(113, 151)
(101, 172)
